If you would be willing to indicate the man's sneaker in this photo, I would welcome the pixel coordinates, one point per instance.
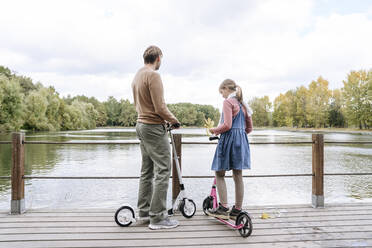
(221, 212)
(234, 213)
(164, 224)
(143, 220)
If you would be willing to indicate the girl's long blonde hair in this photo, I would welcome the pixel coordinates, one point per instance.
(231, 85)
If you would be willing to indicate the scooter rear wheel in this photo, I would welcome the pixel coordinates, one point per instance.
(187, 208)
(124, 216)
(246, 230)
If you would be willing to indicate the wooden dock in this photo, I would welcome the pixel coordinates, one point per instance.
(341, 225)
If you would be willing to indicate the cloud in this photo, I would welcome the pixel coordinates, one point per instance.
(99, 86)
(268, 47)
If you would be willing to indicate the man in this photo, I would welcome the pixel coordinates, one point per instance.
(155, 149)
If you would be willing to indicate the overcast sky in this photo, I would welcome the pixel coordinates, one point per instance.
(267, 46)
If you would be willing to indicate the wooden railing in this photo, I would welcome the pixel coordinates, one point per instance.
(18, 158)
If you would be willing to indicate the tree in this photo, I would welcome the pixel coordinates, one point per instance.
(357, 98)
(205, 112)
(43, 110)
(102, 115)
(282, 115)
(78, 115)
(100, 107)
(35, 114)
(368, 105)
(186, 113)
(194, 114)
(128, 114)
(6, 72)
(261, 111)
(87, 115)
(335, 115)
(11, 104)
(27, 85)
(53, 109)
(317, 107)
(300, 102)
(71, 118)
(112, 107)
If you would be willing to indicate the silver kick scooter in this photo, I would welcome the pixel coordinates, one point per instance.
(125, 215)
(182, 203)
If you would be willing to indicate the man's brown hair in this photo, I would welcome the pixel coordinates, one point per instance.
(151, 54)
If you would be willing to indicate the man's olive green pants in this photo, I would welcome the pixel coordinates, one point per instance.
(155, 171)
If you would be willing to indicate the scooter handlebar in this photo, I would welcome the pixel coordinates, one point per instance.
(173, 126)
(214, 138)
(176, 125)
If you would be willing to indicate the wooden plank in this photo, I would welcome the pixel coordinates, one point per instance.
(182, 228)
(313, 223)
(293, 212)
(172, 234)
(256, 214)
(200, 212)
(192, 241)
(294, 207)
(302, 244)
(366, 215)
(206, 221)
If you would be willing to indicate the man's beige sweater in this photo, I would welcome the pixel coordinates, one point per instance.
(148, 97)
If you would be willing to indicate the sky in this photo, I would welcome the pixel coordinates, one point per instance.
(94, 48)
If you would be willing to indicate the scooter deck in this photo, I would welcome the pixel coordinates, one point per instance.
(227, 222)
(215, 216)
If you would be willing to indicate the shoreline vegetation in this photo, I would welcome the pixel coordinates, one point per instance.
(25, 105)
(289, 129)
(322, 130)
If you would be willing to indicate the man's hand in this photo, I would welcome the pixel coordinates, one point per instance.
(176, 125)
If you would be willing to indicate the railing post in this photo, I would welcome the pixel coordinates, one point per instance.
(318, 171)
(17, 205)
(175, 182)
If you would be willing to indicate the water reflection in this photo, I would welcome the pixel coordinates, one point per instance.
(359, 187)
(5, 166)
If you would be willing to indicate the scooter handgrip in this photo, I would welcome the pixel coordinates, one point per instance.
(213, 138)
(176, 125)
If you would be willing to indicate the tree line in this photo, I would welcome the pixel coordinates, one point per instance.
(31, 106)
(317, 106)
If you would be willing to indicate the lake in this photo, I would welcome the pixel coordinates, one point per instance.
(125, 160)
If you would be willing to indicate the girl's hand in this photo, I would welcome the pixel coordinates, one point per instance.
(211, 130)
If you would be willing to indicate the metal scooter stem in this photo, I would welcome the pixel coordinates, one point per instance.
(181, 195)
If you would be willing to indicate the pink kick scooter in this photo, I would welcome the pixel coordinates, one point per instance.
(243, 222)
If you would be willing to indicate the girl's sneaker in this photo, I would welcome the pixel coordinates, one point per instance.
(234, 213)
(221, 212)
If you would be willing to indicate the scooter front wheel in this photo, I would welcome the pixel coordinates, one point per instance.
(207, 204)
(124, 216)
(187, 208)
(246, 230)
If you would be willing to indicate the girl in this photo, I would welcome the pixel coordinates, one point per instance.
(232, 152)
